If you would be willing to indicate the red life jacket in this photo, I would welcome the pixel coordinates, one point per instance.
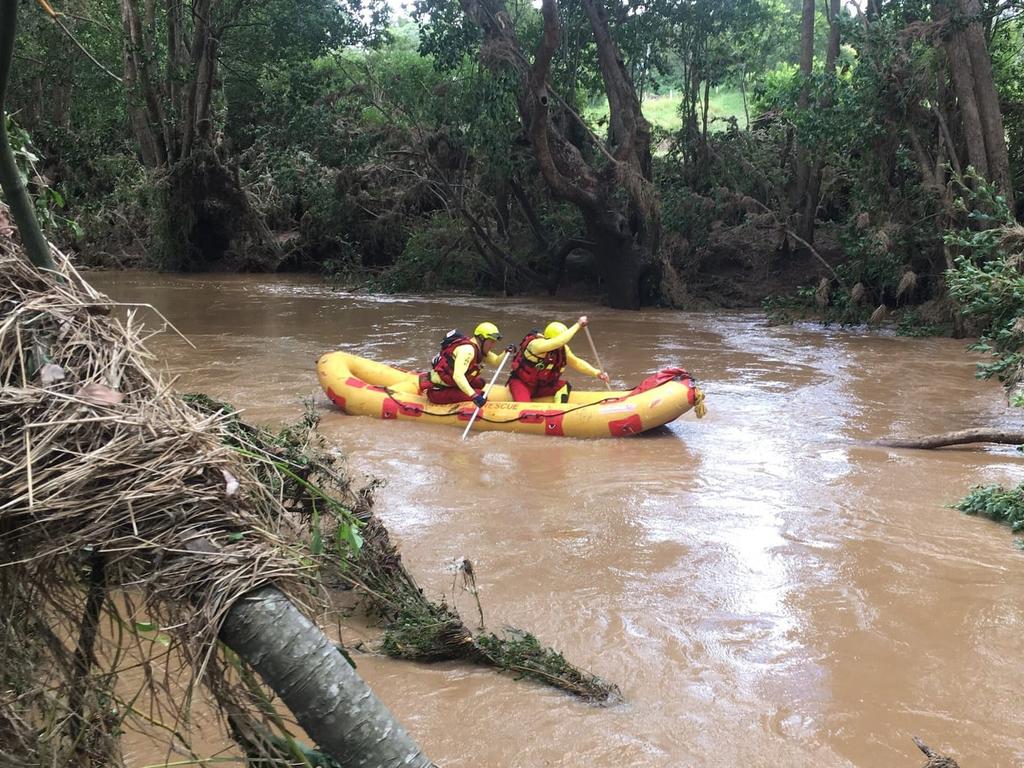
(444, 361)
(542, 372)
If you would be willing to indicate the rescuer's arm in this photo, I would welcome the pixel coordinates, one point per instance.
(461, 359)
(579, 364)
(539, 347)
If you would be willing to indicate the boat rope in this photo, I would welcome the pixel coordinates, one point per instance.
(455, 411)
(699, 408)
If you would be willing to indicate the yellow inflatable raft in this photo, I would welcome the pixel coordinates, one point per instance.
(363, 387)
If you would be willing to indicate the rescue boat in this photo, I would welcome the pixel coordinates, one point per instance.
(363, 387)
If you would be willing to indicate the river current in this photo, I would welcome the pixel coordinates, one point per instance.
(765, 586)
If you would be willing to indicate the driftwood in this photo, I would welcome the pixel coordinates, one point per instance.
(935, 760)
(961, 437)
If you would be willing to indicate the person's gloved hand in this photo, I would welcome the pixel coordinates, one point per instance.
(479, 400)
(511, 349)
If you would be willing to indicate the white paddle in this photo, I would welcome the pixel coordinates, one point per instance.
(487, 391)
(596, 357)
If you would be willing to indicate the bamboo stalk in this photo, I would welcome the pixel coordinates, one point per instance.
(11, 179)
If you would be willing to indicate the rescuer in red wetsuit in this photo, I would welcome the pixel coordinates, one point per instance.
(540, 360)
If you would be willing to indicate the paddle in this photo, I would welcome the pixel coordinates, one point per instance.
(596, 357)
(487, 391)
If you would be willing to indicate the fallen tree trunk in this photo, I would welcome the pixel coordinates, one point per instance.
(329, 700)
(961, 437)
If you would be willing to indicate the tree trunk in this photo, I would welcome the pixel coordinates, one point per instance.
(961, 437)
(803, 100)
(988, 101)
(194, 114)
(630, 133)
(60, 104)
(536, 226)
(595, 191)
(329, 700)
(743, 93)
(144, 102)
(962, 74)
(11, 179)
(812, 194)
(177, 59)
(622, 266)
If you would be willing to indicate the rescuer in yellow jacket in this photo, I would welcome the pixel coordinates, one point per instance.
(455, 370)
(540, 360)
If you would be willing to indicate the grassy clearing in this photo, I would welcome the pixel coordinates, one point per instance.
(663, 110)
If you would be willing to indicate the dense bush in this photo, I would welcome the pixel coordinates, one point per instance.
(988, 283)
(1004, 505)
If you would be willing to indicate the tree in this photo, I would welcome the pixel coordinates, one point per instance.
(803, 160)
(970, 69)
(809, 171)
(613, 191)
(173, 58)
(170, 106)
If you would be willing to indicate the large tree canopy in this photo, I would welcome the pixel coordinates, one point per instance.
(494, 145)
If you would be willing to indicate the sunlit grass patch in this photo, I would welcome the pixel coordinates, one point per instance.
(662, 110)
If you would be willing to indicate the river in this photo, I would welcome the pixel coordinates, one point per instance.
(764, 586)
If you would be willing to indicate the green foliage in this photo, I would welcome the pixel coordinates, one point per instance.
(48, 201)
(910, 323)
(987, 282)
(522, 653)
(1006, 46)
(1004, 505)
(350, 140)
(117, 216)
(799, 305)
(424, 631)
(437, 256)
(776, 90)
(447, 36)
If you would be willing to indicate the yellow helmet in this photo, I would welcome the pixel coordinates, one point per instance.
(554, 329)
(487, 331)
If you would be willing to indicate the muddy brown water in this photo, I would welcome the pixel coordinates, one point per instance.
(766, 589)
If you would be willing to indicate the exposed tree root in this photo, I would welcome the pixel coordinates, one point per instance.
(960, 437)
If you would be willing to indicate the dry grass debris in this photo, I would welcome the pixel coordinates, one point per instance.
(124, 512)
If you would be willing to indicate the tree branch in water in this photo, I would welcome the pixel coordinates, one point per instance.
(935, 760)
(960, 437)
